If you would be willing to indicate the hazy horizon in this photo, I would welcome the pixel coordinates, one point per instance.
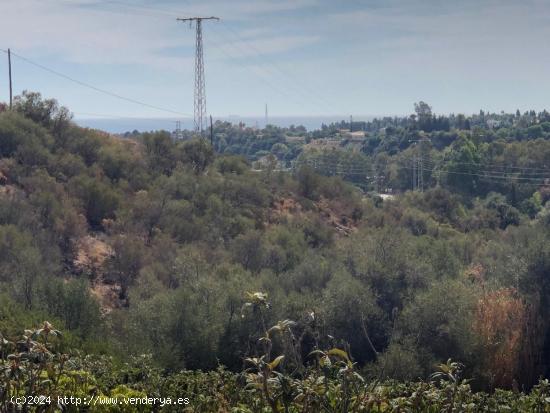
(121, 125)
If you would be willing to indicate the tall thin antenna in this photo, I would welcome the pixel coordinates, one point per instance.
(200, 90)
(266, 119)
(11, 87)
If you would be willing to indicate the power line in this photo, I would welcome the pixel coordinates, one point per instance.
(490, 174)
(97, 89)
(502, 170)
(266, 71)
(274, 64)
(496, 169)
(485, 164)
(262, 75)
(121, 117)
(142, 9)
(350, 170)
(217, 45)
(346, 169)
(298, 96)
(544, 170)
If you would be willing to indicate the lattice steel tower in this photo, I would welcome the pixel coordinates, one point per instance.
(200, 91)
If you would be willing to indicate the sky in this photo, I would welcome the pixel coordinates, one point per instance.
(300, 57)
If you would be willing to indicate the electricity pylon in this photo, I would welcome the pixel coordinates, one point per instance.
(200, 91)
(418, 166)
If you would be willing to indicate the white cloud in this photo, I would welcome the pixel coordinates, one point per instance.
(84, 35)
(109, 32)
(388, 52)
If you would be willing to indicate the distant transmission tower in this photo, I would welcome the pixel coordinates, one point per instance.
(177, 133)
(266, 119)
(200, 92)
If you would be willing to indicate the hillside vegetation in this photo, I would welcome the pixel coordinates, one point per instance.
(174, 270)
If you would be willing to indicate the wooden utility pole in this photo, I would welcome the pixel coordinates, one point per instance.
(9, 69)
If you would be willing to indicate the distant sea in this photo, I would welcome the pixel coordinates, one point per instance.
(121, 125)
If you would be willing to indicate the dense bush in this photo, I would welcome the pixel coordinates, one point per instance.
(147, 245)
(34, 366)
